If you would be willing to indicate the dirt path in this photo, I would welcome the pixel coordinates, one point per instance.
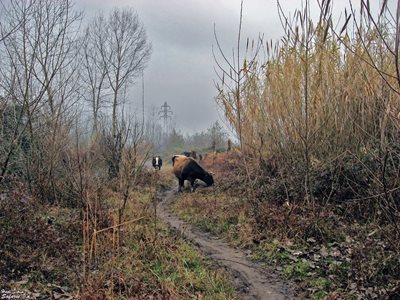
(250, 280)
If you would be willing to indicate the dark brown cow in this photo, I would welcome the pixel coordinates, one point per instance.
(186, 168)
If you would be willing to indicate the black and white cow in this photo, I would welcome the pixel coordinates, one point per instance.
(157, 162)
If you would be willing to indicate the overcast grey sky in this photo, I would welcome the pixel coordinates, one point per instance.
(180, 70)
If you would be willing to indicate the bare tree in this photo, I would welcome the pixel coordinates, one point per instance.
(153, 129)
(94, 74)
(17, 71)
(133, 159)
(38, 81)
(8, 29)
(115, 53)
(217, 135)
(125, 52)
(56, 72)
(232, 74)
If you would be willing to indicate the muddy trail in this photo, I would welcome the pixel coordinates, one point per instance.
(250, 280)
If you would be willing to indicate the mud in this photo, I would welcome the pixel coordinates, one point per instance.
(250, 279)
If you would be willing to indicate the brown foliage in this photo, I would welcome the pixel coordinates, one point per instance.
(348, 241)
(36, 240)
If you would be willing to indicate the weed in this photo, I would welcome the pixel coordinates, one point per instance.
(319, 295)
(320, 283)
(297, 270)
(271, 253)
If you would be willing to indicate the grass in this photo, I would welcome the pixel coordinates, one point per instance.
(138, 262)
(187, 272)
(152, 262)
(35, 253)
(325, 253)
(218, 214)
(298, 270)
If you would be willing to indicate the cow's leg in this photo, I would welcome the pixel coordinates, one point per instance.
(185, 176)
(192, 184)
(181, 182)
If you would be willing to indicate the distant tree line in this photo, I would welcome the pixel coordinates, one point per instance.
(212, 139)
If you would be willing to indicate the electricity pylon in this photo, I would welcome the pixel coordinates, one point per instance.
(165, 114)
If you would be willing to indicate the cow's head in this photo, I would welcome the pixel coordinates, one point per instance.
(208, 178)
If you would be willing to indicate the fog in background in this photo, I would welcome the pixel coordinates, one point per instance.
(181, 68)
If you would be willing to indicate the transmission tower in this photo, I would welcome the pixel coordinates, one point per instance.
(165, 114)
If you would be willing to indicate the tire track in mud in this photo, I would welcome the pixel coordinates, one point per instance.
(250, 280)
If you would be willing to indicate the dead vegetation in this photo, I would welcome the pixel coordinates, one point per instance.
(77, 213)
(39, 243)
(332, 249)
(314, 190)
(319, 161)
(89, 252)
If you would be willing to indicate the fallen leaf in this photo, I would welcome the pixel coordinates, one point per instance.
(316, 257)
(57, 295)
(22, 282)
(35, 295)
(324, 251)
(349, 239)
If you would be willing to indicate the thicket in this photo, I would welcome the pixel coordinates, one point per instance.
(57, 74)
(320, 111)
(317, 117)
(77, 202)
(327, 249)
